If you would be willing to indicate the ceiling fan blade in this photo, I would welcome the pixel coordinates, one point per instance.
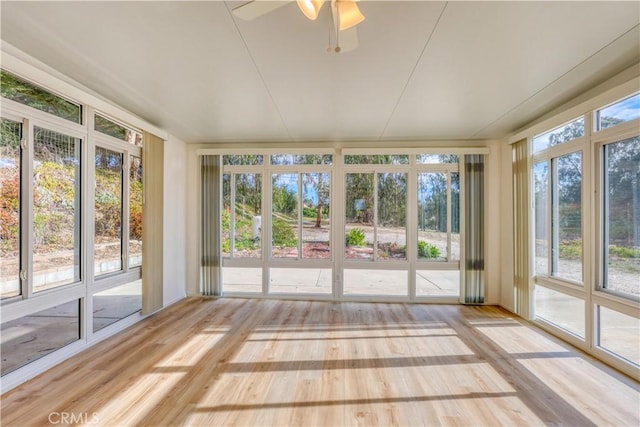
(348, 39)
(257, 8)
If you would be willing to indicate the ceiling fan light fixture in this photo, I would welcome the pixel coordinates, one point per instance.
(310, 8)
(349, 14)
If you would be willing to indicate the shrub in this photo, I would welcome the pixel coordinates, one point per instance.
(623, 252)
(427, 250)
(355, 237)
(283, 234)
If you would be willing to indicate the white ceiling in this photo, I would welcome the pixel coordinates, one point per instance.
(423, 70)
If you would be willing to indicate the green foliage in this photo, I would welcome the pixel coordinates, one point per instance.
(571, 250)
(623, 252)
(427, 250)
(355, 237)
(283, 234)
(16, 89)
(284, 201)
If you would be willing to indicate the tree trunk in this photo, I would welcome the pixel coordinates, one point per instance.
(319, 216)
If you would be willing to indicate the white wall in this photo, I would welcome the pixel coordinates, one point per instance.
(493, 193)
(175, 221)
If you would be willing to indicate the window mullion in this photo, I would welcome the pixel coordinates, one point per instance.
(26, 210)
(553, 181)
(126, 211)
(300, 216)
(375, 216)
(448, 216)
(232, 222)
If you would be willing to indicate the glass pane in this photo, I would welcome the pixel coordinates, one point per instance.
(300, 280)
(316, 215)
(375, 282)
(10, 135)
(285, 225)
(564, 133)
(541, 217)
(108, 211)
(301, 159)
(359, 216)
(135, 211)
(237, 159)
(568, 217)
(392, 216)
(436, 158)
(248, 219)
(56, 209)
(455, 216)
(108, 127)
(620, 334)
(622, 216)
(239, 279)
(116, 303)
(377, 159)
(226, 215)
(437, 283)
(620, 112)
(432, 216)
(31, 337)
(562, 310)
(16, 89)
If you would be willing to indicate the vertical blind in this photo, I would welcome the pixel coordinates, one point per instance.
(521, 228)
(210, 268)
(152, 223)
(474, 223)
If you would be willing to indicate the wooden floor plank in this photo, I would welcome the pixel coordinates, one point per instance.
(258, 362)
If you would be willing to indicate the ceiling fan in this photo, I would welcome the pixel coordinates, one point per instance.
(345, 15)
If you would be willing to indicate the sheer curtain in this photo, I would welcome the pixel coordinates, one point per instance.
(210, 268)
(474, 277)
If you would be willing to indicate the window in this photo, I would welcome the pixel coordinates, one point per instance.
(619, 334)
(562, 310)
(375, 216)
(10, 170)
(621, 217)
(438, 216)
(559, 135)
(558, 218)
(56, 209)
(300, 223)
(620, 112)
(108, 211)
(301, 159)
(35, 335)
(135, 211)
(437, 158)
(111, 128)
(18, 90)
(116, 303)
(54, 224)
(241, 215)
(377, 159)
(247, 160)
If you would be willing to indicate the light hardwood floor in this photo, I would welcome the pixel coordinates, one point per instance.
(275, 363)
